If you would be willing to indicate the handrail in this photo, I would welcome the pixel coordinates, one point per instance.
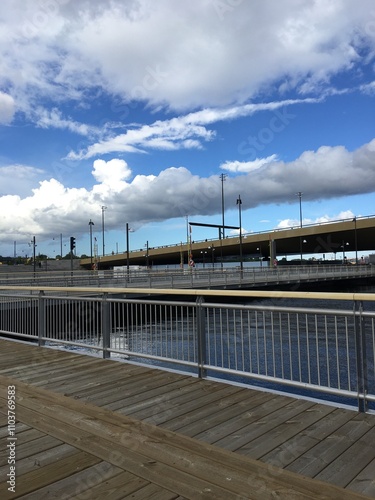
(274, 294)
(311, 346)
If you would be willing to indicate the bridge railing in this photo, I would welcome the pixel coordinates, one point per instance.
(203, 277)
(313, 344)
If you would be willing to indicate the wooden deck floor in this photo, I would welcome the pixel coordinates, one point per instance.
(91, 428)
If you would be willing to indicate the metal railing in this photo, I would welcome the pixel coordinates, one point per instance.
(313, 344)
(201, 277)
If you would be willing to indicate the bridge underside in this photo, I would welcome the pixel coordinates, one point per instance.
(331, 238)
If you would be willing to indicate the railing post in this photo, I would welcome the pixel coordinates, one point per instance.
(106, 330)
(361, 359)
(201, 337)
(41, 319)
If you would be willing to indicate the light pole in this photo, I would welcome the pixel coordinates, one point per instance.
(103, 210)
(343, 250)
(299, 194)
(147, 254)
(355, 240)
(239, 203)
(33, 242)
(222, 178)
(203, 252)
(90, 225)
(127, 248)
(260, 256)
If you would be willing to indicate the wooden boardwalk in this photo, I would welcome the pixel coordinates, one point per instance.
(90, 428)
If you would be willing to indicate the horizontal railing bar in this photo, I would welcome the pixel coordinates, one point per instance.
(154, 357)
(197, 293)
(291, 383)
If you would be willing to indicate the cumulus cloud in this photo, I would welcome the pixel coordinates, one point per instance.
(288, 223)
(175, 191)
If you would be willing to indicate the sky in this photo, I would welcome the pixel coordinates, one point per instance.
(158, 109)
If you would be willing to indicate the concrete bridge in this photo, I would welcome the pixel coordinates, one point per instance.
(350, 235)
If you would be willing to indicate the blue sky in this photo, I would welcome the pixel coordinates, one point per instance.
(141, 105)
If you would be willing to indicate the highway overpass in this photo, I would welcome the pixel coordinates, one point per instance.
(351, 235)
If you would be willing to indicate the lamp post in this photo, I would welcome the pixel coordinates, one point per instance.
(239, 203)
(203, 252)
(222, 178)
(90, 225)
(147, 254)
(260, 256)
(355, 240)
(33, 242)
(299, 194)
(212, 255)
(343, 250)
(103, 210)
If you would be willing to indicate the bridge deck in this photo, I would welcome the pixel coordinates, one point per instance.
(89, 427)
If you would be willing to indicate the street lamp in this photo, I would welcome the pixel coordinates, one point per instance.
(212, 255)
(147, 254)
(222, 178)
(355, 240)
(239, 203)
(128, 230)
(203, 257)
(103, 210)
(299, 194)
(260, 256)
(343, 250)
(90, 225)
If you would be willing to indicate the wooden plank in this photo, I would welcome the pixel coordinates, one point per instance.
(30, 448)
(77, 484)
(258, 447)
(68, 379)
(154, 492)
(151, 470)
(205, 413)
(32, 481)
(19, 428)
(40, 459)
(166, 446)
(115, 487)
(344, 469)
(317, 458)
(293, 448)
(237, 415)
(240, 428)
(103, 393)
(178, 403)
(134, 396)
(23, 437)
(364, 482)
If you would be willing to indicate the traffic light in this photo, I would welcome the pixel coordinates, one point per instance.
(72, 243)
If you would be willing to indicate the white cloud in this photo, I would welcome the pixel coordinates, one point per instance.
(185, 131)
(54, 119)
(249, 166)
(61, 50)
(111, 174)
(18, 179)
(7, 108)
(175, 191)
(288, 223)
